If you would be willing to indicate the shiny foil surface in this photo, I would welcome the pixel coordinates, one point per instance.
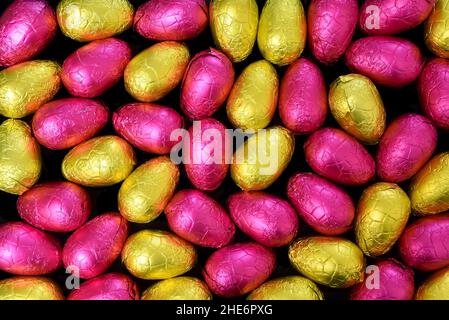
(435, 287)
(179, 288)
(287, 288)
(436, 30)
(30, 288)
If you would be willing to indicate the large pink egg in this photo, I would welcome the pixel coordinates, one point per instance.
(266, 218)
(303, 97)
(207, 82)
(92, 249)
(26, 28)
(94, 68)
(64, 123)
(325, 207)
(238, 269)
(25, 250)
(198, 218)
(55, 206)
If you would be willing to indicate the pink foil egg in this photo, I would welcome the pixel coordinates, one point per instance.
(331, 25)
(268, 219)
(303, 97)
(92, 249)
(25, 250)
(26, 28)
(407, 144)
(206, 85)
(163, 20)
(324, 206)
(424, 244)
(94, 68)
(110, 286)
(206, 154)
(148, 126)
(388, 61)
(64, 123)
(55, 206)
(198, 218)
(337, 156)
(238, 269)
(395, 282)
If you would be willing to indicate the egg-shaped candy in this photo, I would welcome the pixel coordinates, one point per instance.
(287, 288)
(436, 287)
(30, 288)
(436, 29)
(180, 288)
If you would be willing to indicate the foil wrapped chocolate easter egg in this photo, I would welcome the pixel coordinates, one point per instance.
(233, 24)
(147, 190)
(55, 206)
(253, 99)
(267, 219)
(282, 32)
(207, 82)
(20, 157)
(259, 161)
(388, 61)
(30, 288)
(435, 287)
(27, 86)
(436, 30)
(358, 108)
(155, 254)
(92, 249)
(94, 68)
(180, 288)
(331, 25)
(93, 20)
(101, 161)
(26, 28)
(287, 288)
(163, 20)
(64, 123)
(25, 250)
(156, 71)
(303, 97)
(331, 261)
(324, 206)
(199, 219)
(382, 213)
(238, 269)
(337, 156)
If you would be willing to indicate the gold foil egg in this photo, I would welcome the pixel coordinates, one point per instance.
(287, 288)
(154, 254)
(253, 99)
(84, 20)
(20, 157)
(263, 157)
(99, 162)
(147, 191)
(30, 288)
(282, 31)
(436, 33)
(156, 71)
(382, 215)
(357, 106)
(27, 86)
(180, 288)
(234, 26)
(436, 287)
(331, 261)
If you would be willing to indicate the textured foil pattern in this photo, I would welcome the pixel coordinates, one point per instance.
(436, 287)
(287, 288)
(30, 288)
(180, 288)
(436, 33)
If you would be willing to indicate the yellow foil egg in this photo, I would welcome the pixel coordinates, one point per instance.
(29, 288)
(429, 191)
(27, 86)
(382, 215)
(181, 288)
(20, 157)
(253, 99)
(99, 162)
(156, 71)
(263, 157)
(436, 287)
(358, 108)
(84, 20)
(154, 254)
(282, 31)
(147, 191)
(234, 26)
(287, 288)
(436, 32)
(331, 261)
